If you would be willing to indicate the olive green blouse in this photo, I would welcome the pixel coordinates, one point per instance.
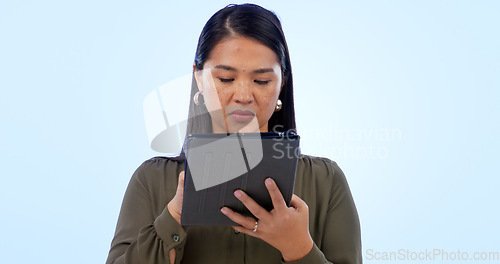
(146, 231)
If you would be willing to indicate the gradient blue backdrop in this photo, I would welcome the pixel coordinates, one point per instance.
(407, 92)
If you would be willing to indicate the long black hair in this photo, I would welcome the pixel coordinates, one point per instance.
(260, 24)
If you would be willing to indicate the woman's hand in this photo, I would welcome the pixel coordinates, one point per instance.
(175, 205)
(285, 228)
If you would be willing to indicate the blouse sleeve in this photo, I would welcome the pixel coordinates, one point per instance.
(140, 237)
(341, 242)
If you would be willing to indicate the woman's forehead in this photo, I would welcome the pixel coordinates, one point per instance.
(243, 54)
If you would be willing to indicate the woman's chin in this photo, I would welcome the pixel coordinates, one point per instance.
(244, 127)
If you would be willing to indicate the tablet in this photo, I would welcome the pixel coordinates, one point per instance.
(218, 164)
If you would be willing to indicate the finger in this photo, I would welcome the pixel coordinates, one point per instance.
(246, 231)
(181, 176)
(180, 187)
(180, 184)
(276, 196)
(172, 254)
(298, 203)
(258, 211)
(245, 221)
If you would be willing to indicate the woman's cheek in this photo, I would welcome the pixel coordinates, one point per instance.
(222, 96)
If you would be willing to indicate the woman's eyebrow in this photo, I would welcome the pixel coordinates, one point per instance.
(263, 70)
(225, 67)
(229, 68)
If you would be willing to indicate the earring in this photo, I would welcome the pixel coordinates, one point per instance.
(195, 98)
(279, 104)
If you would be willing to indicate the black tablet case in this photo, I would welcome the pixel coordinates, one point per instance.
(280, 152)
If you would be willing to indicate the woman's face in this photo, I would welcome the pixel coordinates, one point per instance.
(240, 82)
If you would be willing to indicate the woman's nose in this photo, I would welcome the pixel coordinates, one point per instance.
(243, 93)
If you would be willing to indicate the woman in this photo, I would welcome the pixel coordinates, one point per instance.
(242, 83)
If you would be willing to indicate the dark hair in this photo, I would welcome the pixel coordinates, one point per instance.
(262, 25)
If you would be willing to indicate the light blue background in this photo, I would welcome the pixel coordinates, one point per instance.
(73, 75)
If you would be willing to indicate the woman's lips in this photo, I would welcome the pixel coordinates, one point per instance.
(242, 115)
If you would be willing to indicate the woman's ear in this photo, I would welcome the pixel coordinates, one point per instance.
(197, 77)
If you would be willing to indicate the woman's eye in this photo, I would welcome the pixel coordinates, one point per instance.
(262, 82)
(226, 80)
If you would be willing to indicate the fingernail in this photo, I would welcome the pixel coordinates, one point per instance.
(269, 181)
(237, 193)
(223, 210)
